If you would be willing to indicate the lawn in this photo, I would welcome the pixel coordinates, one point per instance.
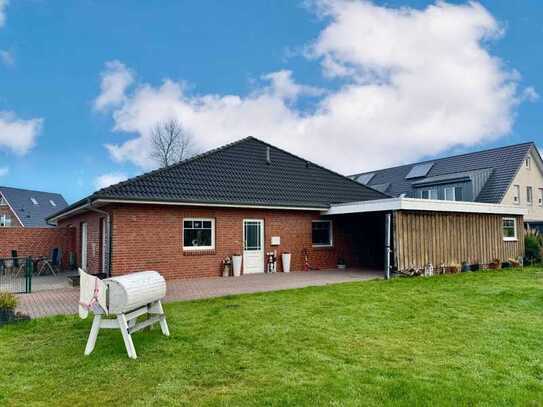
(470, 339)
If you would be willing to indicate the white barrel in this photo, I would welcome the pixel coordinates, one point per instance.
(131, 291)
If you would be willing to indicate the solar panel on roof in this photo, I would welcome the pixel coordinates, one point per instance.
(419, 170)
(365, 178)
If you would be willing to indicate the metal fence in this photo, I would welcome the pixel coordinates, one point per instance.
(16, 275)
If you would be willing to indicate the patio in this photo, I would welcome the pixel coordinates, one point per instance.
(64, 300)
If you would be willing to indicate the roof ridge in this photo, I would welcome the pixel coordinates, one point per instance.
(531, 143)
(31, 190)
(317, 165)
(177, 164)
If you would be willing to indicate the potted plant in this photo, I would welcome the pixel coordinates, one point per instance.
(454, 268)
(341, 264)
(496, 263)
(236, 263)
(285, 257)
(8, 302)
(227, 266)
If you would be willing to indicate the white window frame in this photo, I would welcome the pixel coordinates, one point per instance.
(430, 191)
(529, 195)
(331, 233)
(510, 238)
(540, 197)
(3, 219)
(528, 162)
(453, 193)
(516, 194)
(196, 248)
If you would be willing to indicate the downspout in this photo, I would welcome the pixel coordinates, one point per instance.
(109, 229)
(388, 227)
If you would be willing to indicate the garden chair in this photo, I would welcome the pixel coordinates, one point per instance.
(52, 263)
(16, 263)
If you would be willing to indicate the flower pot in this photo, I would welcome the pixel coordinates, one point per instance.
(6, 315)
(236, 263)
(226, 270)
(286, 262)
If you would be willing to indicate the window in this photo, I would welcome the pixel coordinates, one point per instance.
(428, 194)
(5, 221)
(3, 201)
(529, 195)
(198, 234)
(516, 194)
(458, 194)
(449, 193)
(34, 201)
(52, 202)
(528, 163)
(509, 227)
(540, 196)
(322, 233)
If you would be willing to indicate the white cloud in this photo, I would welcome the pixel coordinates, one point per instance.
(116, 78)
(4, 171)
(415, 83)
(7, 57)
(106, 180)
(16, 134)
(3, 6)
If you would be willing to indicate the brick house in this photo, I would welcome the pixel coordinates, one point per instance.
(23, 225)
(250, 198)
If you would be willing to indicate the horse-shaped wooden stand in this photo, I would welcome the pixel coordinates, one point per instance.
(127, 298)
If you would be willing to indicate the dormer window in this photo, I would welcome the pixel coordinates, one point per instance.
(34, 201)
(52, 202)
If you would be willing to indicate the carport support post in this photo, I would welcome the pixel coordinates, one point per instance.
(388, 224)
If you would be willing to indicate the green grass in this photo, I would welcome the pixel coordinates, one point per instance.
(470, 339)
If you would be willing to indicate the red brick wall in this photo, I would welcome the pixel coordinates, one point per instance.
(5, 210)
(94, 252)
(149, 237)
(36, 241)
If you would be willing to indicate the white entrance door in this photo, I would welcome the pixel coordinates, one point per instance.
(253, 246)
(84, 244)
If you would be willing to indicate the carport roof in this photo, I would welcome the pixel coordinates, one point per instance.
(413, 204)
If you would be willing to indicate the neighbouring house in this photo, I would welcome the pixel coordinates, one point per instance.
(511, 175)
(251, 198)
(23, 225)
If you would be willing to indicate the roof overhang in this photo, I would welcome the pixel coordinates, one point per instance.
(428, 205)
(85, 206)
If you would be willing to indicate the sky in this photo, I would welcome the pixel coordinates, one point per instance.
(353, 86)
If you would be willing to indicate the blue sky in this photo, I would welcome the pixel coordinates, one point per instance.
(288, 72)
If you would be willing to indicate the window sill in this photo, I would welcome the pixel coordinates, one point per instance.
(198, 252)
(510, 239)
(322, 247)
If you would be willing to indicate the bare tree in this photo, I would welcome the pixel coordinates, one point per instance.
(171, 143)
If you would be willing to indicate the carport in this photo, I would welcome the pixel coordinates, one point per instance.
(401, 234)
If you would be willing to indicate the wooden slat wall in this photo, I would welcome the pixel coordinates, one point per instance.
(451, 238)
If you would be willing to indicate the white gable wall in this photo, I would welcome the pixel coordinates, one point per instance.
(526, 177)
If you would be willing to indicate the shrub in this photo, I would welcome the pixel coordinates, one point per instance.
(7, 301)
(533, 243)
